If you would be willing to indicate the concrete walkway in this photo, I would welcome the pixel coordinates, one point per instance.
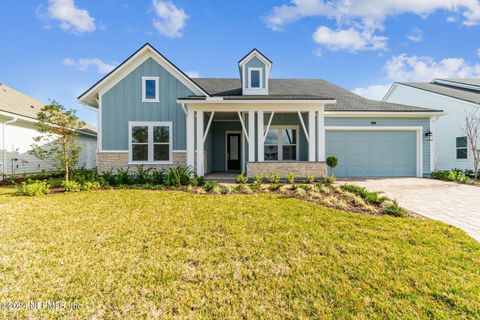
(455, 204)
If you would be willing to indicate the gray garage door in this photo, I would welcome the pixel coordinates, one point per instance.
(373, 153)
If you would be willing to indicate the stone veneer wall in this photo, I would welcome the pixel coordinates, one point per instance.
(107, 161)
(301, 169)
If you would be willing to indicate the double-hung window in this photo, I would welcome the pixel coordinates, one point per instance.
(255, 78)
(281, 144)
(150, 142)
(150, 89)
(462, 147)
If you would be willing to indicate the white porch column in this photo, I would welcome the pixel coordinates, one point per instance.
(321, 134)
(251, 136)
(260, 130)
(190, 138)
(311, 135)
(200, 155)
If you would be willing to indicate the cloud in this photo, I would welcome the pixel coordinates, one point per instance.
(193, 74)
(349, 39)
(361, 20)
(478, 52)
(84, 64)
(70, 17)
(170, 20)
(416, 35)
(405, 68)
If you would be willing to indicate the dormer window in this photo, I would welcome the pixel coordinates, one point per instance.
(254, 73)
(150, 89)
(255, 78)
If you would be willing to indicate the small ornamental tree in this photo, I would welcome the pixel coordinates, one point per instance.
(472, 130)
(58, 141)
(332, 162)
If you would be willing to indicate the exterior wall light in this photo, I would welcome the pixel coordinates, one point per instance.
(429, 135)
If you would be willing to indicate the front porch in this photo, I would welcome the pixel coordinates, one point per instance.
(253, 138)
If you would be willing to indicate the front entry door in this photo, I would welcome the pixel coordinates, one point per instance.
(233, 151)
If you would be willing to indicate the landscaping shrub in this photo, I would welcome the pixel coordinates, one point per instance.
(329, 180)
(241, 178)
(394, 209)
(273, 178)
(158, 177)
(369, 197)
(143, 175)
(258, 178)
(291, 177)
(310, 179)
(178, 176)
(209, 185)
(123, 176)
(256, 186)
(35, 188)
(88, 185)
(274, 187)
(455, 175)
(71, 186)
(440, 174)
(332, 162)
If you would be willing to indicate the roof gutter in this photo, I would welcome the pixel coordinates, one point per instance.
(4, 149)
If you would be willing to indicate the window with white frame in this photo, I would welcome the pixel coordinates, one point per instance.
(281, 144)
(462, 147)
(150, 88)
(255, 78)
(150, 142)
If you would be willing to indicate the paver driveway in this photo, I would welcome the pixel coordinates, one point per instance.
(455, 204)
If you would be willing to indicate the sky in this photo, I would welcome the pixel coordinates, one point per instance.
(56, 49)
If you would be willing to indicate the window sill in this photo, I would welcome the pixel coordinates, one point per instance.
(151, 100)
(148, 163)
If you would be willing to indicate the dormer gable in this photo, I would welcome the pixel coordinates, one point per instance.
(255, 73)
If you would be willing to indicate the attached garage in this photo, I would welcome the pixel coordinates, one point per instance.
(375, 152)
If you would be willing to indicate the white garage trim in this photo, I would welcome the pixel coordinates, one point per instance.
(419, 131)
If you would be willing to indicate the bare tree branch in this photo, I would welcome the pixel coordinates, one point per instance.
(472, 130)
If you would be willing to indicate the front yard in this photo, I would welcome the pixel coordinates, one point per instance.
(147, 254)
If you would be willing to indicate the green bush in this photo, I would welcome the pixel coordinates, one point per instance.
(158, 177)
(210, 185)
(178, 176)
(310, 179)
(255, 187)
(258, 178)
(273, 177)
(440, 174)
(332, 162)
(241, 178)
(123, 176)
(395, 210)
(291, 177)
(143, 175)
(34, 189)
(88, 185)
(329, 180)
(275, 187)
(369, 197)
(71, 186)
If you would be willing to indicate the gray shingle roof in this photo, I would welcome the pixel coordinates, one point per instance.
(15, 102)
(453, 92)
(471, 82)
(303, 89)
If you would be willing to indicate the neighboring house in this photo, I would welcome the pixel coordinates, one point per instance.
(455, 97)
(151, 113)
(17, 117)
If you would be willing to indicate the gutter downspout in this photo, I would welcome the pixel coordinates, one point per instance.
(4, 160)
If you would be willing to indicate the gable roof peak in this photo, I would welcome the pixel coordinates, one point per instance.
(252, 52)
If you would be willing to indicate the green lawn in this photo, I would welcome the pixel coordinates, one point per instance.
(146, 254)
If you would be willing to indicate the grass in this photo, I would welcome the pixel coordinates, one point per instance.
(144, 254)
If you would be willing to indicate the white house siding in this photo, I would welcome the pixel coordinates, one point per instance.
(19, 138)
(446, 128)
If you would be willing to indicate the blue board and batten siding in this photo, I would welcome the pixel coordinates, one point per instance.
(123, 103)
(254, 63)
(398, 147)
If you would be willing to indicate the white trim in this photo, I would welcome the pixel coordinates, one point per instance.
(311, 135)
(268, 126)
(419, 131)
(200, 169)
(226, 148)
(382, 114)
(242, 116)
(99, 124)
(113, 151)
(150, 125)
(321, 135)
(251, 136)
(257, 54)
(294, 104)
(303, 126)
(242, 122)
(131, 64)
(208, 126)
(432, 145)
(157, 89)
(279, 144)
(190, 137)
(249, 84)
(260, 133)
